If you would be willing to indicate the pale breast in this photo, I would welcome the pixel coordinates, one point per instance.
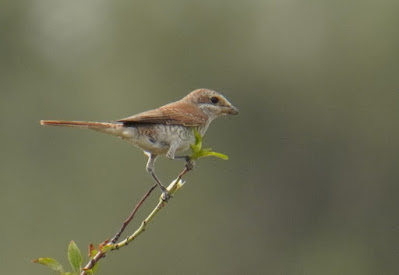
(156, 138)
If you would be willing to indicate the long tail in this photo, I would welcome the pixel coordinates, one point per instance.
(82, 124)
(113, 128)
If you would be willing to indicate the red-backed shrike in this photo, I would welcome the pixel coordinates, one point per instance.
(166, 130)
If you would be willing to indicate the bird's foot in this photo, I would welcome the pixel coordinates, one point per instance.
(189, 163)
(165, 195)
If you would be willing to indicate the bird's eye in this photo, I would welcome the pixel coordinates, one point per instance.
(214, 100)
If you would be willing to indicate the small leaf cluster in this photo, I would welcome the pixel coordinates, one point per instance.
(199, 152)
(75, 260)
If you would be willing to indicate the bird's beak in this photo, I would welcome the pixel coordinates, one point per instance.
(231, 110)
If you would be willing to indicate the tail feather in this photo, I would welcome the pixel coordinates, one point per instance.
(84, 124)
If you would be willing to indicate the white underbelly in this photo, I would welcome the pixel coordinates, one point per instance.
(159, 141)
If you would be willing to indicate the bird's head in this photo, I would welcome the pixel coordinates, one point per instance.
(211, 103)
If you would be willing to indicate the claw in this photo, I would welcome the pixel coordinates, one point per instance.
(165, 195)
(189, 163)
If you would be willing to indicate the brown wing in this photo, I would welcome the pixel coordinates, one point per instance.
(177, 113)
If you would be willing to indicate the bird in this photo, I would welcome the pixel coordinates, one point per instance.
(165, 131)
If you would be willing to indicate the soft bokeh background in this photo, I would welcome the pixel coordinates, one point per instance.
(311, 186)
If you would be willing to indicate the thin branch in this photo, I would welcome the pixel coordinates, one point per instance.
(131, 216)
(112, 245)
(172, 188)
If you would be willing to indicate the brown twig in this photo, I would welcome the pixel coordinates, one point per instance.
(131, 216)
(186, 169)
(92, 262)
(101, 254)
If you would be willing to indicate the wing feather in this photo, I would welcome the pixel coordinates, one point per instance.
(177, 113)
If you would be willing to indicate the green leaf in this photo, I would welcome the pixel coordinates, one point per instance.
(196, 147)
(74, 257)
(92, 251)
(51, 263)
(198, 138)
(215, 154)
(94, 268)
(198, 152)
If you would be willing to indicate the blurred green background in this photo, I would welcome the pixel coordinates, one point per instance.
(311, 186)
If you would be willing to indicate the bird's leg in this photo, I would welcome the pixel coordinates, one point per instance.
(171, 155)
(150, 169)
